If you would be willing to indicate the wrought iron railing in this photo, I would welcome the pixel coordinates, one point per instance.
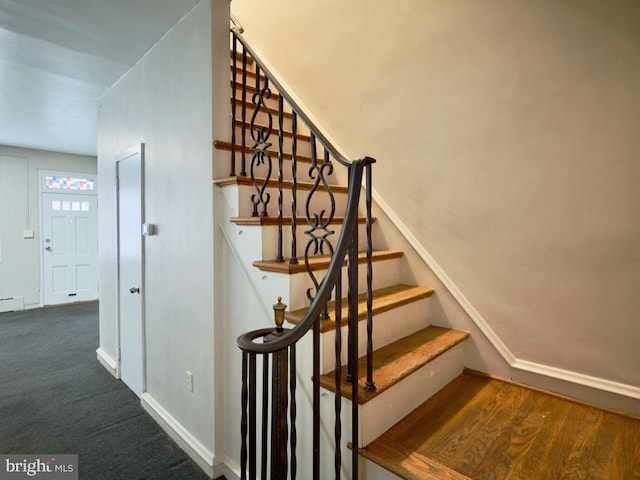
(257, 97)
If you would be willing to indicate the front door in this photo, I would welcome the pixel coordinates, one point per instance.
(130, 255)
(69, 247)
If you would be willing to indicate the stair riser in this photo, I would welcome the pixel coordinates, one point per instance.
(388, 408)
(387, 328)
(303, 147)
(371, 471)
(317, 203)
(304, 171)
(262, 118)
(270, 104)
(386, 273)
(270, 240)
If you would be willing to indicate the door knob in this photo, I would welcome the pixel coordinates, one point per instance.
(134, 290)
(48, 248)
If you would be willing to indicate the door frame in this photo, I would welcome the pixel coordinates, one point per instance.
(123, 155)
(40, 237)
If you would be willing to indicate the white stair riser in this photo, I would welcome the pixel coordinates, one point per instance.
(387, 328)
(270, 240)
(391, 406)
(386, 273)
(372, 471)
(303, 171)
(303, 146)
(317, 203)
(262, 118)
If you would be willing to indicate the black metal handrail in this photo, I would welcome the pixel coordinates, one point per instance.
(278, 351)
(246, 341)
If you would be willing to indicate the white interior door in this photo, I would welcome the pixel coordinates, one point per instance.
(130, 268)
(70, 247)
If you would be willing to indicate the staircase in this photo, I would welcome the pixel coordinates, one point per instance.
(409, 372)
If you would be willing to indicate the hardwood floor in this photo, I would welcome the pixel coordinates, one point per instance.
(490, 429)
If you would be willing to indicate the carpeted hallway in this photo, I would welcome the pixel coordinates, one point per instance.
(56, 398)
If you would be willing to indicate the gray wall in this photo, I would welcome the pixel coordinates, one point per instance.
(507, 142)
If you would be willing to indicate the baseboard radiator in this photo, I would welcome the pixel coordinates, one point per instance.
(11, 304)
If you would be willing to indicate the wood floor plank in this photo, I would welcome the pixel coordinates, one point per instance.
(500, 430)
(598, 464)
(631, 447)
(452, 441)
(516, 438)
(583, 445)
(483, 451)
(535, 458)
(435, 414)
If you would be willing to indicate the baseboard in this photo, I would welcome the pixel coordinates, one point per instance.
(230, 469)
(194, 448)
(107, 362)
(579, 378)
(596, 383)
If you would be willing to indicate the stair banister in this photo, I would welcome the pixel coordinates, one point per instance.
(281, 347)
(284, 345)
(246, 343)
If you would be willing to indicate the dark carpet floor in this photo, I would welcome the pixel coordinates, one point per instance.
(56, 398)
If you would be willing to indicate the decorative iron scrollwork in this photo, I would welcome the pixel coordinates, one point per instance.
(261, 159)
(320, 221)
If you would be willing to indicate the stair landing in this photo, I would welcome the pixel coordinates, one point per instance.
(480, 427)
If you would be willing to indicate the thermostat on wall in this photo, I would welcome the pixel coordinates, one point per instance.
(148, 229)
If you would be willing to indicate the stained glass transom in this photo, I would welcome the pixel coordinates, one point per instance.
(68, 183)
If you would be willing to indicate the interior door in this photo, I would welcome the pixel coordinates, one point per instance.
(130, 268)
(70, 247)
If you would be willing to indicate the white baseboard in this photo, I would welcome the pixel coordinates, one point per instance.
(230, 469)
(107, 362)
(194, 448)
(579, 378)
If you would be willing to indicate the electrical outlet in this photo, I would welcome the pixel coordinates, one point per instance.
(189, 381)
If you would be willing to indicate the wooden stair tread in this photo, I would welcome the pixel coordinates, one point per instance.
(321, 262)
(273, 183)
(273, 221)
(486, 427)
(398, 360)
(384, 299)
(222, 145)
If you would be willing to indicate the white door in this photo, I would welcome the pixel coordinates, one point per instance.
(130, 290)
(70, 247)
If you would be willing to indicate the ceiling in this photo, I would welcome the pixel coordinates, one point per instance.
(57, 57)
